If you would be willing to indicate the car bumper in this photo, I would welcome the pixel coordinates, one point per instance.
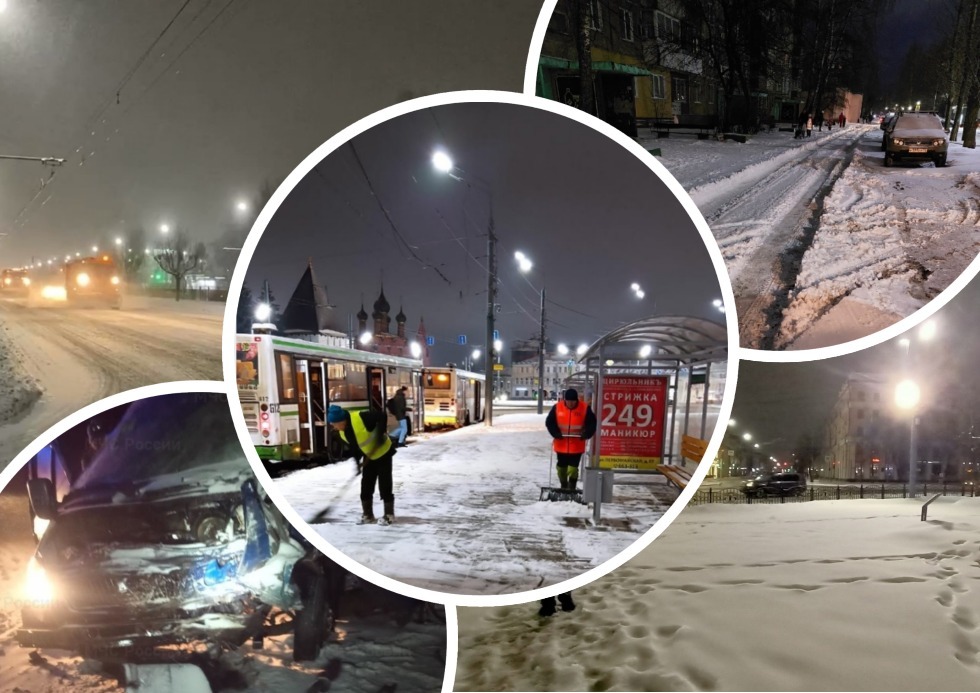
(927, 155)
(109, 631)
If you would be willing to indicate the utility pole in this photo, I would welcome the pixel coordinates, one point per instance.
(491, 308)
(541, 360)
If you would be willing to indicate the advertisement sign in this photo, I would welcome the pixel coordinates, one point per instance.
(631, 421)
(247, 366)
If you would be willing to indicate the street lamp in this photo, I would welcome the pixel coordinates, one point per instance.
(645, 351)
(443, 163)
(907, 396)
(416, 349)
(525, 265)
(263, 312)
(164, 229)
(563, 349)
(365, 339)
(241, 206)
(747, 436)
(582, 348)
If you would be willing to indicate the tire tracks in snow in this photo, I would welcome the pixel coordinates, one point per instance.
(764, 237)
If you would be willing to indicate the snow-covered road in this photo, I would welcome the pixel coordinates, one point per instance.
(823, 243)
(77, 357)
(836, 595)
(468, 518)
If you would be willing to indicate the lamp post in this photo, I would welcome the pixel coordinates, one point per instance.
(525, 265)
(443, 163)
(908, 395)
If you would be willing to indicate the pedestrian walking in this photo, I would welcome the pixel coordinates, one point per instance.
(809, 126)
(571, 423)
(841, 119)
(398, 406)
(548, 607)
(365, 435)
(801, 125)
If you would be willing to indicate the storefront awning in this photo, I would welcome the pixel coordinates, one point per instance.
(549, 62)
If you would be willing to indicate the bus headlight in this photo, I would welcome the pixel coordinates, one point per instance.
(83, 279)
(37, 587)
(115, 281)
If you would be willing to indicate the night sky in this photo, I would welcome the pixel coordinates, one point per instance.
(779, 402)
(234, 94)
(589, 214)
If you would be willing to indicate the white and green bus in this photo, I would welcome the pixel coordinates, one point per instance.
(286, 386)
(452, 397)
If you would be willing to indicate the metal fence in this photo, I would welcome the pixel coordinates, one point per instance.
(839, 492)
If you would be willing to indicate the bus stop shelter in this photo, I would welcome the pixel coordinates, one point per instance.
(642, 379)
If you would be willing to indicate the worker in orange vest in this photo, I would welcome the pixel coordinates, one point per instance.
(571, 423)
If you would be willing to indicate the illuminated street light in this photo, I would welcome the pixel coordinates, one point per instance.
(582, 348)
(263, 312)
(164, 229)
(747, 436)
(640, 294)
(365, 339)
(634, 287)
(645, 351)
(442, 162)
(927, 330)
(907, 394)
(498, 345)
(475, 355)
(731, 422)
(95, 248)
(241, 206)
(562, 349)
(118, 241)
(755, 445)
(416, 349)
(523, 261)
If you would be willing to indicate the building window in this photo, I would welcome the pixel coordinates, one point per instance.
(647, 30)
(678, 88)
(627, 20)
(595, 14)
(668, 28)
(659, 87)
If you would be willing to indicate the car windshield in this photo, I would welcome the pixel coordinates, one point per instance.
(918, 124)
(170, 440)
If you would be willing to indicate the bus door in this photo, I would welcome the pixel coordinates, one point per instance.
(376, 388)
(305, 415)
(477, 401)
(418, 403)
(318, 406)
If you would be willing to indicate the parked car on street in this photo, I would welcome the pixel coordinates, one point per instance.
(783, 484)
(915, 137)
(166, 538)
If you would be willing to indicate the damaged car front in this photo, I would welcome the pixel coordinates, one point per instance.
(165, 544)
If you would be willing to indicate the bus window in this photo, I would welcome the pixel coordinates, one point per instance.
(337, 382)
(247, 366)
(437, 381)
(357, 390)
(287, 378)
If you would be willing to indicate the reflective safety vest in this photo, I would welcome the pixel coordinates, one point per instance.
(570, 423)
(370, 444)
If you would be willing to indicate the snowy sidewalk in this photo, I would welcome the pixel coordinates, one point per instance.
(838, 595)
(468, 518)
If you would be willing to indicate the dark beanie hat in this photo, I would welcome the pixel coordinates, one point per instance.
(335, 414)
(571, 394)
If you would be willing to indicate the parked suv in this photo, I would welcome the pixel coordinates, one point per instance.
(784, 484)
(166, 538)
(915, 136)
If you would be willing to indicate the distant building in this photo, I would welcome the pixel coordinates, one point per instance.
(524, 376)
(382, 341)
(309, 315)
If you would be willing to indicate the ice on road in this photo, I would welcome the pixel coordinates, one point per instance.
(72, 357)
(828, 595)
(468, 518)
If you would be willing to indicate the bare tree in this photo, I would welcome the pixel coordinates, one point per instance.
(178, 259)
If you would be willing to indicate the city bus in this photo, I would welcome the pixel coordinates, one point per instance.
(286, 386)
(452, 397)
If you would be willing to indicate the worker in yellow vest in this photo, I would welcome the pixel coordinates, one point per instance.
(571, 423)
(366, 436)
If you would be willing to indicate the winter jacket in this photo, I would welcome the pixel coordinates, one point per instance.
(370, 439)
(570, 427)
(398, 406)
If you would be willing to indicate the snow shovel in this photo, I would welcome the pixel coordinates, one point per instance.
(322, 516)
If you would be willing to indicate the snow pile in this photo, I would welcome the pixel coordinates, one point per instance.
(468, 518)
(18, 390)
(837, 595)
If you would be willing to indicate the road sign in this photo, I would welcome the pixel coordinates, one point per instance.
(632, 421)
(430, 341)
(461, 339)
(496, 335)
(498, 366)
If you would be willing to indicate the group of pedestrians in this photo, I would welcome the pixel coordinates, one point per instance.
(804, 125)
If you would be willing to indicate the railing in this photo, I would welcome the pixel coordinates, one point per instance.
(817, 493)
